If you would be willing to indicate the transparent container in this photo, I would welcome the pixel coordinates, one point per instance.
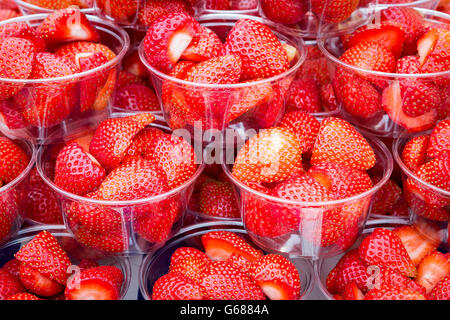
(75, 251)
(133, 227)
(157, 264)
(309, 229)
(383, 115)
(46, 96)
(27, 8)
(208, 119)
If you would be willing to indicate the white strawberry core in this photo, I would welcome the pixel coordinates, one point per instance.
(426, 44)
(177, 44)
(290, 51)
(218, 254)
(78, 56)
(272, 291)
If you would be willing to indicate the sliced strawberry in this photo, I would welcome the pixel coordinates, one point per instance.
(384, 248)
(217, 4)
(335, 11)
(393, 293)
(66, 25)
(218, 199)
(441, 290)
(13, 160)
(387, 276)
(175, 286)
(386, 197)
(301, 188)
(439, 139)
(352, 292)
(415, 151)
(287, 12)
(72, 49)
(154, 9)
(37, 283)
(432, 269)
(277, 277)
(140, 143)
(114, 241)
(220, 245)
(136, 97)
(204, 45)
(304, 96)
(126, 78)
(121, 10)
(434, 50)
(304, 125)
(41, 204)
(9, 285)
(328, 97)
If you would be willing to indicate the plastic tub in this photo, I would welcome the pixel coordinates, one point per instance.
(157, 264)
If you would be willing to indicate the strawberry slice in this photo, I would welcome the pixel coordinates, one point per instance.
(415, 151)
(305, 126)
(442, 290)
(352, 292)
(23, 30)
(175, 286)
(339, 142)
(384, 248)
(220, 245)
(66, 25)
(204, 45)
(37, 283)
(218, 199)
(136, 97)
(439, 139)
(167, 38)
(277, 277)
(23, 296)
(9, 285)
(393, 293)
(13, 160)
(432, 269)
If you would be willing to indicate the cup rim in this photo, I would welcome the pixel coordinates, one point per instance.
(336, 60)
(372, 140)
(114, 30)
(202, 228)
(30, 6)
(397, 144)
(299, 45)
(406, 4)
(74, 197)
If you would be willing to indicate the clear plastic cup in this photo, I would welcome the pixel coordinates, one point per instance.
(383, 114)
(75, 251)
(211, 118)
(27, 8)
(11, 195)
(38, 95)
(309, 229)
(135, 226)
(157, 264)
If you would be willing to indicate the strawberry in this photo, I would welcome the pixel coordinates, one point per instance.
(304, 96)
(72, 49)
(37, 283)
(23, 30)
(387, 276)
(225, 282)
(136, 97)
(335, 11)
(393, 293)
(6, 14)
(350, 269)
(120, 10)
(13, 160)
(415, 151)
(9, 285)
(112, 138)
(328, 97)
(218, 199)
(301, 188)
(41, 204)
(432, 269)
(190, 266)
(87, 264)
(217, 4)
(12, 266)
(114, 241)
(185, 252)
(408, 65)
(386, 197)
(433, 48)
(305, 126)
(261, 52)
(352, 292)
(384, 248)
(76, 171)
(272, 155)
(418, 97)
(10, 116)
(66, 25)
(441, 290)
(133, 64)
(220, 245)
(339, 142)
(126, 78)
(401, 208)
(175, 286)
(23, 296)
(315, 67)
(204, 45)
(388, 34)
(287, 12)
(16, 61)
(417, 244)
(58, 4)
(167, 38)
(277, 277)
(439, 139)
(392, 103)
(239, 262)
(151, 10)
(141, 142)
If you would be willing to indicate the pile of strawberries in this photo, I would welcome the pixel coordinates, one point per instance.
(40, 270)
(399, 264)
(229, 269)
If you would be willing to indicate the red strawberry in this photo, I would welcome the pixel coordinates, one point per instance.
(66, 25)
(136, 97)
(112, 138)
(205, 45)
(415, 151)
(352, 292)
(23, 30)
(301, 188)
(434, 50)
(339, 142)
(10, 116)
(37, 283)
(304, 96)
(16, 62)
(408, 65)
(439, 139)
(121, 10)
(239, 262)
(277, 277)
(350, 269)
(287, 12)
(87, 264)
(217, 4)
(401, 208)
(393, 293)
(9, 285)
(45, 255)
(12, 266)
(388, 34)
(141, 142)
(191, 264)
(261, 52)
(24, 296)
(6, 14)
(218, 199)
(272, 155)
(384, 248)
(304, 125)
(175, 286)
(392, 277)
(220, 245)
(167, 38)
(72, 49)
(126, 78)
(432, 269)
(60, 4)
(114, 241)
(225, 282)
(13, 160)
(441, 290)
(328, 98)
(153, 9)
(418, 97)
(315, 67)
(386, 197)
(335, 11)
(76, 171)
(41, 204)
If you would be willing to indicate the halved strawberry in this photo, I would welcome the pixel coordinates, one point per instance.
(72, 49)
(238, 261)
(434, 50)
(66, 25)
(37, 283)
(218, 199)
(352, 292)
(220, 245)
(328, 97)
(41, 204)
(439, 139)
(151, 10)
(121, 10)
(204, 45)
(10, 115)
(9, 285)
(304, 96)
(23, 30)
(13, 160)
(415, 151)
(441, 290)
(387, 276)
(287, 12)
(133, 64)
(339, 142)
(388, 292)
(277, 277)
(111, 242)
(175, 286)
(305, 126)
(335, 11)
(432, 269)
(167, 38)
